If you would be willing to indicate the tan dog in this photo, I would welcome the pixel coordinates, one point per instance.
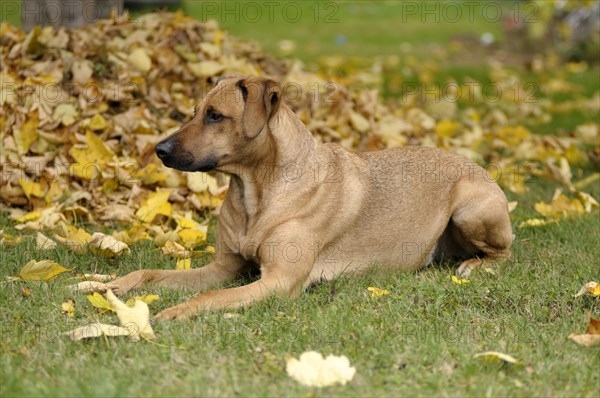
(302, 211)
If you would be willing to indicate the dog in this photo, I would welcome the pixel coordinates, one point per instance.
(301, 211)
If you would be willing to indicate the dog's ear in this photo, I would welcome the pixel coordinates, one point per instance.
(261, 99)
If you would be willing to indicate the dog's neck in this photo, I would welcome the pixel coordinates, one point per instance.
(289, 149)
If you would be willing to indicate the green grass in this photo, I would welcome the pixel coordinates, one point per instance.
(420, 340)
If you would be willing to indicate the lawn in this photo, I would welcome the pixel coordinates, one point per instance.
(418, 340)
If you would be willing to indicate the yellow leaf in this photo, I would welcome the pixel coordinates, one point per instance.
(146, 298)
(107, 246)
(99, 301)
(75, 239)
(535, 222)
(560, 207)
(513, 136)
(156, 203)
(174, 249)
(10, 240)
(191, 238)
(44, 270)
(27, 134)
(210, 249)
(33, 215)
(68, 308)
(459, 281)
(493, 356)
(592, 288)
(151, 174)
(92, 159)
(183, 264)
(98, 122)
(446, 128)
(31, 188)
(588, 201)
(65, 113)
(140, 60)
(376, 292)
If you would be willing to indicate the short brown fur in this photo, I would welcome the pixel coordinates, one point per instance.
(303, 211)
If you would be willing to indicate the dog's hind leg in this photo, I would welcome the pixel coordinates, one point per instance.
(482, 229)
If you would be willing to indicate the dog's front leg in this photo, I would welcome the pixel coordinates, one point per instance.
(199, 279)
(277, 280)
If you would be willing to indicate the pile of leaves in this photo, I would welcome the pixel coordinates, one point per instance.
(82, 110)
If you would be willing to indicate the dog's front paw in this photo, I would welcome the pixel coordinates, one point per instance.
(177, 313)
(126, 283)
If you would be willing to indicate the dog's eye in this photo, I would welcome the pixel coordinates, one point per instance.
(213, 117)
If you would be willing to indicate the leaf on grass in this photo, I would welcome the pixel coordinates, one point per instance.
(96, 330)
(499, 357)
(376, 292)
(174, 249)
(136, 319)
(191, 238)
(68, 308)
(592, 288)
(560, 207)
(183, 264)
(536, 222)
(99, 301)
(42, 242)
(107, 246)
(459, 281)
(87, 287)
(591, 337)
(44, 270)
(312, 370)
(75, 239)
(146, 298)
(156, 203)
(98, 277)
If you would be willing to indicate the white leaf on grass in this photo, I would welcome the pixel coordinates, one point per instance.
(97, 330)
(136, 319)
(312, 370)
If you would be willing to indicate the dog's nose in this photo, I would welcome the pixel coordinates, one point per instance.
(163, 149)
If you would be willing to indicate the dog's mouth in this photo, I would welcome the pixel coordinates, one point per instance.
(185, 163)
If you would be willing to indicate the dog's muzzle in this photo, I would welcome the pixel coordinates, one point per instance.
(171, 154)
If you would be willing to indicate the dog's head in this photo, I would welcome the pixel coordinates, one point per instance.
(225, 127)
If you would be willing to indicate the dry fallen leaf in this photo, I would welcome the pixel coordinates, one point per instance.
(494, 356)
(312, 370)
(459, 281)
(68, 308)
(156, 204)
(96, 330)
(591, 288)
(42, 242)
(136, 319)
(591, 337)
(183, 264)
(376, 292)
(107, 246)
